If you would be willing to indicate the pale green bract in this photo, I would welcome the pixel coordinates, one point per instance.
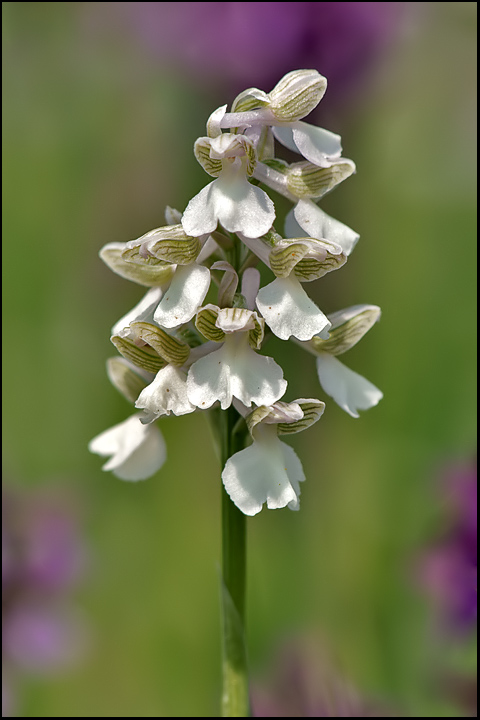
(194, 342)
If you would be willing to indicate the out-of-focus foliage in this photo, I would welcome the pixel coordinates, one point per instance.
(97, 139)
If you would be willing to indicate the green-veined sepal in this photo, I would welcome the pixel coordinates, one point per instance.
(201, 149)
(297, 94)
(144, 357)
(290, 418)
(155, 274)
(250, 99)
(171, 349)
(308, 258)
(169, 244)
(348, 327)
(306, 180)
(312, 411)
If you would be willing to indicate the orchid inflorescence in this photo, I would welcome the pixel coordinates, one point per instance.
(181, 354)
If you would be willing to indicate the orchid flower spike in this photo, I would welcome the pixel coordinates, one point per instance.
(184, 349)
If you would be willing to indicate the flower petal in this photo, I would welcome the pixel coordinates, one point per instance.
(264, 472)
(348, 327)
(209, 380)
(145, 274)
(137, 451)
(166, 394)
(351, 391)
(143, 311)
(288, 310)
(233, 201)
(250, 286)
(256, 378)
(317, 145)
(199, 217)
(235, 370)
(318, 224)
(184, 296)
(242, 207)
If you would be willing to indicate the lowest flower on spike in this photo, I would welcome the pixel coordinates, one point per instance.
(269, 471)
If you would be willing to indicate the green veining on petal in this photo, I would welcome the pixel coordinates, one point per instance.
(308, 268)
(205, 323)
(132, 255)
(283, 259)
(148, 274)
(346, 335)
(213, 166)
(312, 411)
(250, 99)
(297, 94)
(172, 350)
(256, 417)
(144, 357)
(305, 180)
(180, 252)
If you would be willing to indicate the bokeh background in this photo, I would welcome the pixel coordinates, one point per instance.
(102, 104)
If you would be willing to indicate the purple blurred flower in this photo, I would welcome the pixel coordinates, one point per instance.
(304, 685)
(235, 45)
(448, 569)
(43, 555)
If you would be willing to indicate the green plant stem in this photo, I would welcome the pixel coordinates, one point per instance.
(235, 698)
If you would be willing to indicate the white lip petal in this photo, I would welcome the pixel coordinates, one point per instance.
(199, 217)
(232, 201)
(209, 380)
(166, 394)
(288, 310)
(235, 370)
(137, 451)
(319, 225)
(260, 474)
(186, 293)
(351, 391)
(243, 207)
(256, 378)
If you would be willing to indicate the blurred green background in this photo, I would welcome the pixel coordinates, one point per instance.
(97, 140)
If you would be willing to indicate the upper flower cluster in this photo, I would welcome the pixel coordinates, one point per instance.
(186, 347)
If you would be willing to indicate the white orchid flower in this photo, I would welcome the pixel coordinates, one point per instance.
(136, 450)
(230, 199)
(284, 304)
(235, 370)
(269, 471)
